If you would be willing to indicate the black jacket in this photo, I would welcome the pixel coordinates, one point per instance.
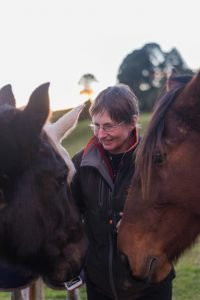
(100, 201)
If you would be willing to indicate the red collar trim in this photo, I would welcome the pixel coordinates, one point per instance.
(94, 142)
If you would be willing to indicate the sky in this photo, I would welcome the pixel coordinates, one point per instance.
(58, 41)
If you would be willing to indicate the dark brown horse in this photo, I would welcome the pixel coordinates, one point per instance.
(162, 212)
(40, 229)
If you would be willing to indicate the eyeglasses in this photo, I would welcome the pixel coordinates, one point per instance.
(105, 127)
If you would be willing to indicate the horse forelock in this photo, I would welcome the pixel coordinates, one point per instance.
(153, 138)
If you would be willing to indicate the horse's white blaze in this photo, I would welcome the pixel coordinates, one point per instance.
(61, 129)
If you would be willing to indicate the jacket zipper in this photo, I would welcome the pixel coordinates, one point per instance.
(110, 257)
(110, 254)
(101, 193)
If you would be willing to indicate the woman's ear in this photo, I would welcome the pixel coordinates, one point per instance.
(133, 123)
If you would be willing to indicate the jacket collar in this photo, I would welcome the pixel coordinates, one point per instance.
(94, 155)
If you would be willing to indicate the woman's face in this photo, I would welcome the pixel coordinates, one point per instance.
(114, 137)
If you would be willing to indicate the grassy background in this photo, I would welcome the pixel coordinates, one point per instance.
(186, 285)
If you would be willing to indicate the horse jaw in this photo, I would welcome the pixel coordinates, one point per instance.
(61, 129)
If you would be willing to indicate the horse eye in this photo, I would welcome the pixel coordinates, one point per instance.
(159, 158)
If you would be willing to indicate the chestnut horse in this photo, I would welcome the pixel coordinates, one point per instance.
(162, 212)
(40, 229)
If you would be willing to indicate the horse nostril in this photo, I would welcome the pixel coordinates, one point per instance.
(152, 266)
(126, 264)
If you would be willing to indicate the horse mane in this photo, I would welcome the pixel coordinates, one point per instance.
(153, 141)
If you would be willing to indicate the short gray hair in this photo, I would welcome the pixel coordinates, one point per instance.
(119, 101)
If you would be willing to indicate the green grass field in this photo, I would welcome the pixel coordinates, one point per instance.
(186, 285)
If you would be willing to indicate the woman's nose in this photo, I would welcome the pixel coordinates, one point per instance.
(101, 133)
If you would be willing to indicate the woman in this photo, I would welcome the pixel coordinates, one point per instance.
(104, 170)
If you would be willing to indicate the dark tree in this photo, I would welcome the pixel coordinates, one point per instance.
(146, 69)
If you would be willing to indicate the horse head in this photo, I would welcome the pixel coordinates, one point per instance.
(40, 228)
(162, 212)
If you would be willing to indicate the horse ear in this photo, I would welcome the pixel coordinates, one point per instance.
(63, 126)
(7, 96)
(37, 110)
